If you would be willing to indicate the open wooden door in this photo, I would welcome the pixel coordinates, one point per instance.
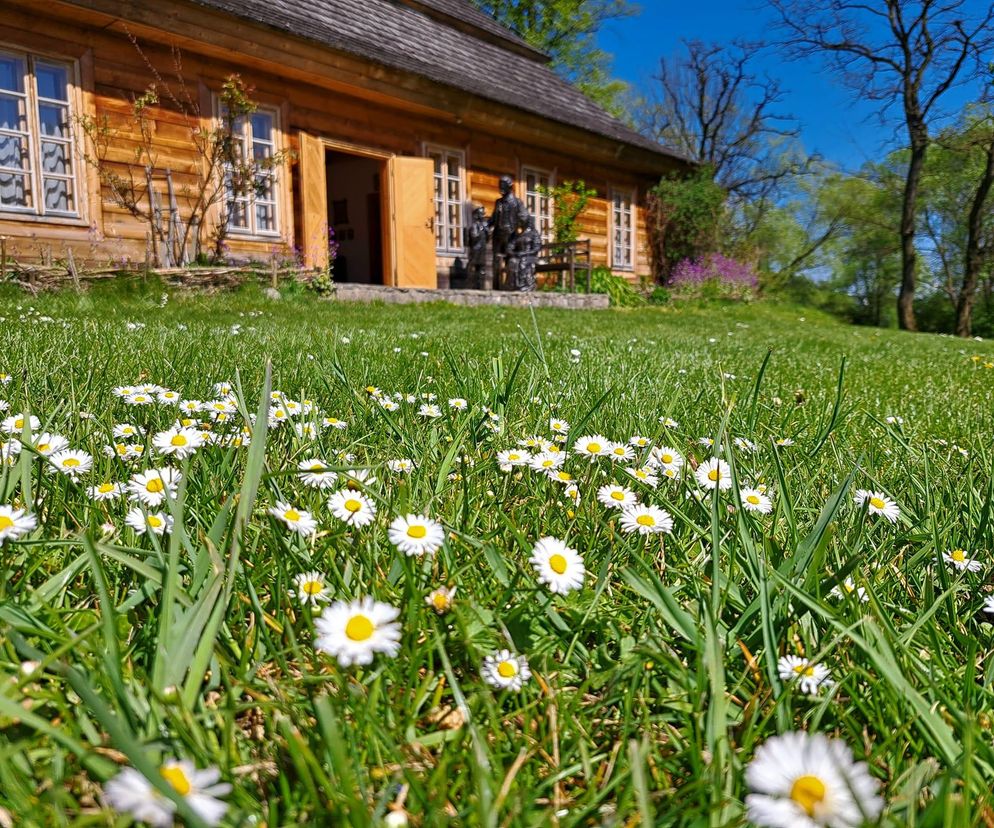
(412, 222)
(313, 202)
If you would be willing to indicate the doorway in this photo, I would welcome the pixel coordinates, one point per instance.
(355, 213)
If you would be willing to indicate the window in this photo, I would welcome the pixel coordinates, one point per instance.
(254, 212)
(622, 230)
(449, 166)
(539, 203)
(37, 168)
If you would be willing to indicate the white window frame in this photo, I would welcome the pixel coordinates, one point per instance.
(629, 195)
(248, 139)
(442, 206)
(527, 195)
(32, 136)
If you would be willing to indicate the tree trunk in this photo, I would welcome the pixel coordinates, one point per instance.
(974, 258)
(909, 205)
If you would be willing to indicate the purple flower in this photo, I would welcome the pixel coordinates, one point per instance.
(714, 268)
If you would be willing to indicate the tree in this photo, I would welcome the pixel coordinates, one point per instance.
(711, 106)
(566, 31)
(912, 51)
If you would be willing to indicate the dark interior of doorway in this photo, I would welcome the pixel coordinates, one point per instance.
(355, 215)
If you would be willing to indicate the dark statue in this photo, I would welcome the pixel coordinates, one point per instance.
(509, 211)
(522, 255)
(478, 233)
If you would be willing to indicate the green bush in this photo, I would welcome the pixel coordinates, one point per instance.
(622, 294)
(660, 296)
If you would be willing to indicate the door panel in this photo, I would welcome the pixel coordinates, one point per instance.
(412, 222)
(314, 202)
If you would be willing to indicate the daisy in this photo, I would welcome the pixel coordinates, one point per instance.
(557, 565)
(616, 497)
(505, 671)
(297, 520)
(9, 450)
(191, 406)
(753, 500)
(352, 507)
(668, 458)
(315, 473)
(222, 408)
(958, 560)
(168, 397)
(669, 422)
(644, 475)
(72, 463)
(126, 431)
(105, 491)
(131, 793)
(784, 442)
(546, 461)
(558, 426)
(156, 522)
(512, 457)
(154, 486)
(388, 404)
(714, 474)
(15, 522)
(742, 444)
(458, 404)
(560, 476)
(334, 422)
(178, 441)
(416, 535)
(358, 479)
(440, 599)
(311, 588)
(49, 444)
(15, 425)
(140, 398)
(878, 503)
(401, 466)
(989, 604)
(848, 587)
(123, 391)
(646, 520)
(810, 677)
(639, 442)
(620, 451)
(353, 632)
(430, 411)
(593, 446)
(802, 780)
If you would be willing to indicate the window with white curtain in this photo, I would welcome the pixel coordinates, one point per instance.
(538, 201)
(622, 230)
(256, 212)
(37, 164)
(450, 165)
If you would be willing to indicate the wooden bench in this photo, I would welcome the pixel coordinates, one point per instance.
(565, 258)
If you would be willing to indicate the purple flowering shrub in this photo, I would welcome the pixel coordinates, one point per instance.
(713, 276)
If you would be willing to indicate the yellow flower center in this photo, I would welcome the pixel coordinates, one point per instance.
(565, 476)
(557, 563)
(440, 601)
(154, 522)
(645, 520)
(359, 628)
(312, 587)
(714, 475)
(507, 669)
(174, 775)
(43, 446)
(753, 499)
(617, 495)
(19, 422)
(317, 467)
(70, 462)
(291, 515)
(352, 505)
(804, 670)
(5, 523)
(178, 440)
(416, 531)
(808, 792)
(155, 485)
(877, 503)
(104, 488)
(958, 555)
(548, 464)
(593, 448)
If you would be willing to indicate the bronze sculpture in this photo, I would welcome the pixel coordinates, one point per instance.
(509, 212)
(478, 233)
(522, 256)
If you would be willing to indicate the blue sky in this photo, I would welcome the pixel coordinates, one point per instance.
(833, 125)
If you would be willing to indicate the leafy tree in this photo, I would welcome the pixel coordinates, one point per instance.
(566, 30)
(569, 199)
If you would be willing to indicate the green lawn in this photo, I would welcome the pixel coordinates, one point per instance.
(652, 685)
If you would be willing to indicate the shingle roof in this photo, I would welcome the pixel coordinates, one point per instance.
(480, 56)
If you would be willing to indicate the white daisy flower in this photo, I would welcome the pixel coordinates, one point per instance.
(315, 473)
(158, 523)
(558, 426)
(126, 431)
(646, 520)
(616, 497)
(131, 793)
(644, 475)
(140, 398)
(191, 407)
(105, 491)
(352, 507)
(666, 457)
(311, 588)
(430, 411)
(334, 422)
(620, 451)
(546, 461)
(15, 522)
(297, 520)
(877, 503)
(559, 475)
(592, 446)
(168, 397)
(802, 780)
(753, 500)
(669, 422)
(71, 462)
(48, 444)
(440, 599)
(714, 474)
(401, 466)
(354, 631)
(810, 677)
(784, 442)
(178, 441)
(988, 604)
(153, 486)
(512, 457)
(505, 671)
(639, 442)
(458, 404)
(958, 559)
(416, 535)
(557, 565)
(848, 587)
(15, 424)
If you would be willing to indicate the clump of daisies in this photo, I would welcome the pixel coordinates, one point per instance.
(131, 793)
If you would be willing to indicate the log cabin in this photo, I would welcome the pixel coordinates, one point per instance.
(396, 117)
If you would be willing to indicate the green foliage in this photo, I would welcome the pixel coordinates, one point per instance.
(566, 30)
(683, 219)
(622, 294)
(569, 199)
